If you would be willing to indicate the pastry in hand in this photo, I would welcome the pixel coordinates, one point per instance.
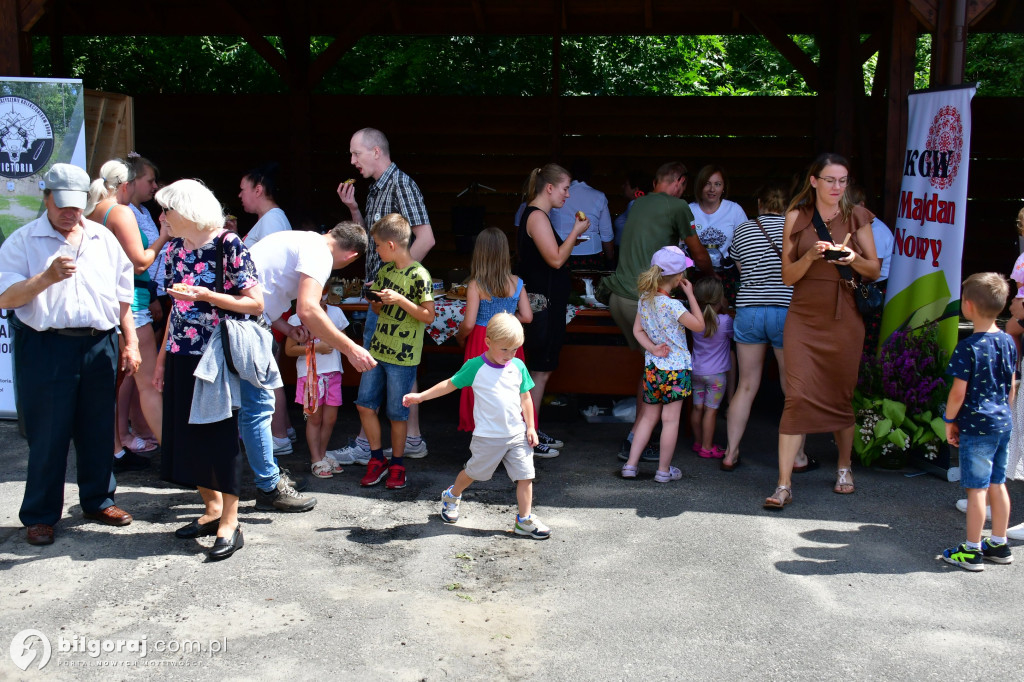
(580, 215)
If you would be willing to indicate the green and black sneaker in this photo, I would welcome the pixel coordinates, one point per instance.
(997, 554)
(964, 557)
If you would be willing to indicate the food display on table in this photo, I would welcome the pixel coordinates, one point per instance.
(458, 292)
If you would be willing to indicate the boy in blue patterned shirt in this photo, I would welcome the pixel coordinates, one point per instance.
(977, 417)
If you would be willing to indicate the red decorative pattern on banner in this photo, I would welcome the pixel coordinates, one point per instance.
(946, 134)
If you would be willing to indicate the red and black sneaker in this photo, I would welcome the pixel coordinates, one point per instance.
(396, 477)
(376, 470)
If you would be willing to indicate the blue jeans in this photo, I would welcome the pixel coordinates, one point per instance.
(983, 459)
(369, 326)
(395, 380)
(760, 324)
(254, 426)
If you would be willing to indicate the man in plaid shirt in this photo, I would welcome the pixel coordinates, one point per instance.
(392, 192)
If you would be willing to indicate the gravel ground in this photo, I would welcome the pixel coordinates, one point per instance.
(688, 579)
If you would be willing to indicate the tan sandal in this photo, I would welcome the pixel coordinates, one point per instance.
(782, 496)
(843, 486)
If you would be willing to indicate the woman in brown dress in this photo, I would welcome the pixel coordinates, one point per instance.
(824, 332)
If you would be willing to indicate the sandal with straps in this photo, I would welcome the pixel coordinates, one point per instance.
(629, 471)
(842, 482)
(782, 496)
(322, 469)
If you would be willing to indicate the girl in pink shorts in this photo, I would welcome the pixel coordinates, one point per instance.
(320, 423)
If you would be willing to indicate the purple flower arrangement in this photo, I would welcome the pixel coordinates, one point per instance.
(910, 369)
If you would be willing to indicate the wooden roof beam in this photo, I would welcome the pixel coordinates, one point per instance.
(29, 12)
(478, 14)
(871, 45)
(342, 43)
(258, 43)
(782, 42)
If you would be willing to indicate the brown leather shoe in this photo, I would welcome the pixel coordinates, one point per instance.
(39, 534)
(111, 516)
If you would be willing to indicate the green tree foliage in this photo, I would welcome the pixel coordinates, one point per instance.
(996, 61)
(497, 65)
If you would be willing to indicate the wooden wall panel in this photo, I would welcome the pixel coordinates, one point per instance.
(448, 143)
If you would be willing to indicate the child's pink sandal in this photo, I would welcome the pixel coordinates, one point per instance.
(714, 453)
(322, 469)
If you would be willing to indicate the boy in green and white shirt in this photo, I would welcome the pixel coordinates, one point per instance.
(503, 413)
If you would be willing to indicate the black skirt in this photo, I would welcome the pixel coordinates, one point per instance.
(203, 455)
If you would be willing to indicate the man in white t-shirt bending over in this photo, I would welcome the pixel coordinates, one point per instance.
(295, 266)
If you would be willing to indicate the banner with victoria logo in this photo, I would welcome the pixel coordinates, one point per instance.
(42, 122)
(924, 280)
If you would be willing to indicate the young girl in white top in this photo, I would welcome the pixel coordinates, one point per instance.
(660, 327)
(319, 423)
(711, 362)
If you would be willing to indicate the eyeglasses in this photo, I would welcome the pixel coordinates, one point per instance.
(167, 209)
(842, 182)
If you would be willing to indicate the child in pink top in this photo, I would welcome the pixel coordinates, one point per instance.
(711, 362)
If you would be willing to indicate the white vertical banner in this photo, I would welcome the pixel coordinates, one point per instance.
(924, 280)
(42, 122)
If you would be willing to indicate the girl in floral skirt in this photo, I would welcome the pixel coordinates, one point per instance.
(660, 327)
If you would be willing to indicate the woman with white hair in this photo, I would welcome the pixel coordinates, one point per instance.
(109, 196)
(201, 455)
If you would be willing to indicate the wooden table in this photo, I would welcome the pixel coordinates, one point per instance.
(604, 368)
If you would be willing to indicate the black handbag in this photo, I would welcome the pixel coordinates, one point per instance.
(867, 295)
(219, 288)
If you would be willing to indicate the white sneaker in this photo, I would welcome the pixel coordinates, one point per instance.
(342, 456)
(1015, 532)
(411, 451)
(532, 527)
(961, 504)
(282, 446)
(351, 452)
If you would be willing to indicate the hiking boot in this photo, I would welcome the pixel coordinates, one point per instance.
(541, 450)
(964, 557)
(450, 506)
(376, 470)
(532, 527)
(300, 483)
(997, 554)
(549, 441)
(396, 477)
(282, 446)
(283, 498)
(411, 451)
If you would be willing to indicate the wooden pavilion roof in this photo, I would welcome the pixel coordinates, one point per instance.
(475, 17)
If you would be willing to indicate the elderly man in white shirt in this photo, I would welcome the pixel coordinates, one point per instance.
(597, 251)
(70, 285)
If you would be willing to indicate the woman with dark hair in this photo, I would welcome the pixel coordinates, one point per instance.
(824, 330)
(714, 216)
(542, 267)
(258, 192)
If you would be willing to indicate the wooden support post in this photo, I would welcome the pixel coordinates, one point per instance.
(900, 82)
(10, 50)
(947, 67)
(299, 168)
(556, 84)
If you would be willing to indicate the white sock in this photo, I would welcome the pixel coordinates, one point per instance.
(973, 545)
(996, 540)
(120, 454)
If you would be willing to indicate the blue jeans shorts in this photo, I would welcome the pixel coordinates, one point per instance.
(759, 324)
(394, 381)
(983, 459)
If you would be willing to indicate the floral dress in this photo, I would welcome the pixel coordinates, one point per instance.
(204, 455)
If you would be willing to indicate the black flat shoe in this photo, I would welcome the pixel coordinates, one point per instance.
(198, 530)
(225, 547)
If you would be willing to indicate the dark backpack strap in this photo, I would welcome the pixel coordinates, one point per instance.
(845, 271)
(765, 233)
(219, 288)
